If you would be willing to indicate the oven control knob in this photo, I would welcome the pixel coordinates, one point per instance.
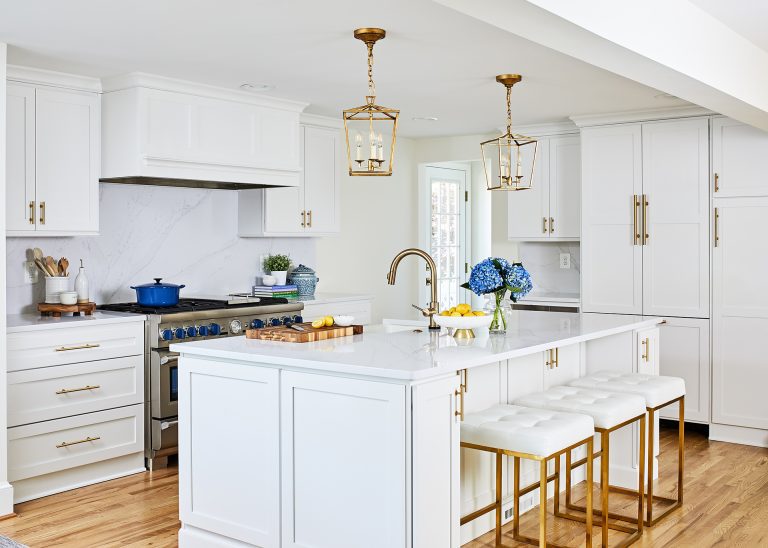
(274, 322)
(166, 334)
(286, 319)
(297, 319)
(215, 329)
(257, 324)
(235, 327)
(192, 331)
(180, 333)
(203, 330)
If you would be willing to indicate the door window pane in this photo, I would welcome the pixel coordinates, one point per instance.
(446, 223)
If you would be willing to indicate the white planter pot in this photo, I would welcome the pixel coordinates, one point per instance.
(280, 276)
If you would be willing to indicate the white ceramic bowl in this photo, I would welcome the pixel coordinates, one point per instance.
(343, 321)
(463, 322)
(68, 297)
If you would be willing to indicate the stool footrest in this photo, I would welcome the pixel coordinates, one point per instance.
(535, 542)
(583, 519)
(611, 515)
(477, 513)
(534, 486)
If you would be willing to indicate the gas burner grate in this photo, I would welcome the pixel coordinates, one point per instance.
(188, 305)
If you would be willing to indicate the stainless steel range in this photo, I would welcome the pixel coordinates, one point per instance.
(190, 320)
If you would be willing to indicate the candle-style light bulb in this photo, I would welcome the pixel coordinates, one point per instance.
(372, 144)
(519, 171)
(358, 147)
(380, 143)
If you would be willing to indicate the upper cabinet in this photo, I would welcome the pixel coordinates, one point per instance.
(645, 218)
(739, 159)
(195, 135)
(53, 155)
(550, 209)
(310, 209)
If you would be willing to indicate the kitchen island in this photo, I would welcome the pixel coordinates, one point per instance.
(355, 441)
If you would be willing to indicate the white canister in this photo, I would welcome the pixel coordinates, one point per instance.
(53, 286)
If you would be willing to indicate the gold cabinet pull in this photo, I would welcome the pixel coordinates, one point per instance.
(303, 219)
(86, 440)
(459, 394)
(646, 236)
(551, 225)
(42, 213)
(78, 347)
(81, 389)
(717, 182)
(647, 355)
(32, 212)
(717, 227)
(544, 226)
(635, 226)
(557, 357)
(309, 218)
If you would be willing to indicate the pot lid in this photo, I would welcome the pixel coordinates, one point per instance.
(302, 270)
(157, 284)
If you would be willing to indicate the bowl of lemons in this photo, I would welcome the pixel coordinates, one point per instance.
(463, 320)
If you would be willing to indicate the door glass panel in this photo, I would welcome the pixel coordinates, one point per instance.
(445, 246)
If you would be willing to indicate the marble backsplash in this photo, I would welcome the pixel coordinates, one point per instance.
(542, 260)
(186, 236)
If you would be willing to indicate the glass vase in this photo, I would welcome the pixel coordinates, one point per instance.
(501, 309)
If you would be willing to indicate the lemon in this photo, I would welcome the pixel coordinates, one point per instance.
(455, 314)
(445, 313)
(318, 323)
(463, 308)
(478, 313)
(328, 321)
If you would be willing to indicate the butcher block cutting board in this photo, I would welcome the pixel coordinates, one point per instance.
(312, 334)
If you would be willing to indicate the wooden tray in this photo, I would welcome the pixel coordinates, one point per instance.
(312, 334)
(55, 310)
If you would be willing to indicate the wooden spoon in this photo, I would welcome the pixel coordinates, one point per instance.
(63, 267)
(37, 253)
(50, 265)
(42, 268)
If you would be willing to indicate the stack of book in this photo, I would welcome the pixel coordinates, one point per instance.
(287, 291)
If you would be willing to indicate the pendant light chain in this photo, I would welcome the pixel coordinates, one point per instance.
(371, 85)
(509, 110)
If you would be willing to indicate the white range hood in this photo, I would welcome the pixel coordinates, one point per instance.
(161, 131)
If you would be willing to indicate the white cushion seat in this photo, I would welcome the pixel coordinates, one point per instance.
(606, 409)
(538, 432)
(654, 388)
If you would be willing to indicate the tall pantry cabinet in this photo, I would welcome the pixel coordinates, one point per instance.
(645, 237)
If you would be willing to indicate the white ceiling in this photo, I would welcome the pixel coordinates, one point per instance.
(434, 61)
(746, 17)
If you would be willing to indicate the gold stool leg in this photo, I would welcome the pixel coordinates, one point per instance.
(604, 485)
(590, 451)
(543, 504)
(516, 518)
(651, 449)
(568, 478)
(681, 449)
(499, 463)
(641, 477)
(557, 485)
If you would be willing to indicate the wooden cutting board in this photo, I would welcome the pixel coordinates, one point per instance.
(312, 334)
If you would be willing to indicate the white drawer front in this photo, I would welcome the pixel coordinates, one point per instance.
(361, 310)
(49, 393)
(45, 447)
(45, 347)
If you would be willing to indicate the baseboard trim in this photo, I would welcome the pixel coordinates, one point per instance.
(738, 434)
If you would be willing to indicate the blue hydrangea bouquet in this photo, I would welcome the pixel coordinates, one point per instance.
(496, 276)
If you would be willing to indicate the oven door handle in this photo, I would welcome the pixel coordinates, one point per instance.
(165, 425)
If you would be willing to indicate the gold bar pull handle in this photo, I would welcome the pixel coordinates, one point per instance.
(551, 225)
(646, 236)
(81, 389)
(303, 218)
(557, 357)
(647, 344)
(544, 226)
(86, 440)
(42, 213)
(459, 394)
(635, 226)
(309, 218)
(32, 212)
(717, 182)
(717, 227)
(78, 347)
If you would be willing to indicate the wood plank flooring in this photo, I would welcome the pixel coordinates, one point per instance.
(726, 504)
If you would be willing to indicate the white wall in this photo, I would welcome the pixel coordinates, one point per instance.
(184, 235)
(379, 218)
(6, 491)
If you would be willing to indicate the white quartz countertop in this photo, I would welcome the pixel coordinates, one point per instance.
(409, 355)
(28, 322)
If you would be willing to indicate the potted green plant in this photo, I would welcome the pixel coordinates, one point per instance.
(277, 266)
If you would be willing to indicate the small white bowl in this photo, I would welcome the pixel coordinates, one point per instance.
(343, 321)
(68, 297)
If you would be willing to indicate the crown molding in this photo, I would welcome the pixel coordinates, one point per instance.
(31, 75)
(629, 116)
(542, 129)
(309, 119)
(163, 83)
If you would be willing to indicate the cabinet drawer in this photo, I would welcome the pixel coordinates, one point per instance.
(52, 392)
(46, 347)
(45, 447)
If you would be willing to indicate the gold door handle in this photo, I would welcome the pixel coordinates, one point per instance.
(717, 227)
(544, 226)
(717, 182)
(82, 389)
(647, 355)
(78, 347)
(303, 219)
(635, 226)
(42, 213)
(459, 394)
(86, 440)
(309, 218)
(557, 357)
(551, 225)
(32, 212)
(646, 236)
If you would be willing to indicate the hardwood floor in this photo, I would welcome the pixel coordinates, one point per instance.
(726, 504)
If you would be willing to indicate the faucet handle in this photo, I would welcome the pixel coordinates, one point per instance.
(426, 312)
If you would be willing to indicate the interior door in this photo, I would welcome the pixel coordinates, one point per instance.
(321, 165)
(676, 218)
(20, 158)
(611, 276)
(67, 160)
(740, 319)
(528, 210)
(565, 187)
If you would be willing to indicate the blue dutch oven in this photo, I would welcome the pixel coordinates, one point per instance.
(157, 294)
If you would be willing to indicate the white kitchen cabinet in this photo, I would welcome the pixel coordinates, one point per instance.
(53, 148)
(549, 210)
(740, 314)
(561, 365)
(739, 159)
(310, 209)
(645, 219)
(342, 438)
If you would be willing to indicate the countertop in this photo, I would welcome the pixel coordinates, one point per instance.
(17, 323)
(410, 355)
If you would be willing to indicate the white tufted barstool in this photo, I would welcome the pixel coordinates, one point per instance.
(534, 434)
(658, 392)
(610, 412)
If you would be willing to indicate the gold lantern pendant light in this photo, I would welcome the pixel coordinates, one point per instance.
(506, 158)
(370, 129)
